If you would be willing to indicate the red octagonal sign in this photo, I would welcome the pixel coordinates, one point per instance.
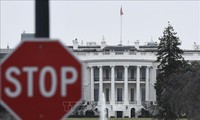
(41, 80)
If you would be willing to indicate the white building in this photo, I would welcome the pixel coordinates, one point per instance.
(125, 74)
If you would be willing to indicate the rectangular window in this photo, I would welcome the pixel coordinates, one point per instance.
(107, 73)
(107, 94)
(143, 94)
(132, 94)
(119, 74)
(119, 94)
(96, 94)
(143, 74)
(132, 74)
(96, 74)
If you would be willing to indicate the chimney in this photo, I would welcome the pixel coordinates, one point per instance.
(75, 44)
(137, 42)
(196, 47)
(103, 43)
(27, 36)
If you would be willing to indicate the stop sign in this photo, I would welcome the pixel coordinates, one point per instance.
(38, 79)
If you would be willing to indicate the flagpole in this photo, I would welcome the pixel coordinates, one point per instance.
(121, 13)
(121, 31)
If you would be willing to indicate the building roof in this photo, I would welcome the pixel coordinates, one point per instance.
(27, 36)
(86, 48)
(2, 55)
(119, 48)
(146, 46)
(96, 46)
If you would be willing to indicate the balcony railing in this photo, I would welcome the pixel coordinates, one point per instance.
(119, 53)
(132, 79)
(119, 79)
(133, 102)
(119, 102)
(107, 102)
(106, 79)
(106, 53)
(142, 79)
(96, 79)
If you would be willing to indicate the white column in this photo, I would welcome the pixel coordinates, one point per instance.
(152, 83)
(92, 82)
(147, 84)
(126, 85)
(112, 100)
(138, 99)
(100, 82)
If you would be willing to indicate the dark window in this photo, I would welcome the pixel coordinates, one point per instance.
(143, 94)
(119, 114)
(119, 73)
(96, 74)
(142, 74)
(107, 73)
(132, 74)
(119, 94)
(96, 94)
(107, 94)
(132, 94)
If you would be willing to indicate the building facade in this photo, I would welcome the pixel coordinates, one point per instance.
(125, 74)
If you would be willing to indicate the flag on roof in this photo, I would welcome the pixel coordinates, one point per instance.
(121, 12)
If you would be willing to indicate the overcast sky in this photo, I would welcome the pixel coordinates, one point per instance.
(89, 21)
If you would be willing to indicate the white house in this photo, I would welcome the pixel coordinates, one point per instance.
(125, 74)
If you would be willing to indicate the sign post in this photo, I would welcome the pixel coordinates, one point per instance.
(42, 18)
(37, 78)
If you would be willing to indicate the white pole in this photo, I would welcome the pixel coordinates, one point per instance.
(121, 13)
(121, 31)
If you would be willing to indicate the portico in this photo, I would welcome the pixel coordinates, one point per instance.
(123, 85)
